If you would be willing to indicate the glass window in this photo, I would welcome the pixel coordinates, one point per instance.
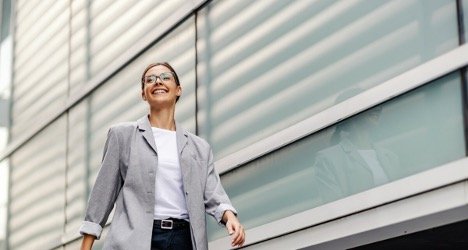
(285, 61)
(414, 132)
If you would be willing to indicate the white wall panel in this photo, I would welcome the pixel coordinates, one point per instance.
(76, 178)
(38, 189)
(117, 25)
(40, 64)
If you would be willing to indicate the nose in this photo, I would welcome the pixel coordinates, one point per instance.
(158, 81)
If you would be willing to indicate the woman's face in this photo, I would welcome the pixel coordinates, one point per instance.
(160, 88)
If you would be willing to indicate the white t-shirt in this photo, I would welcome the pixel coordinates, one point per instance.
(169, 192)
(370, 156)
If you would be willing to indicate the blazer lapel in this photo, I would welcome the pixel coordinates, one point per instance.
(144, 127)
(352, 152)
(181, 135)
(185, 159)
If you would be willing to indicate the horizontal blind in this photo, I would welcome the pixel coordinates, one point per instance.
(285, 61)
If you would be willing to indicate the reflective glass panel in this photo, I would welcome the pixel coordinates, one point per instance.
(412, 133)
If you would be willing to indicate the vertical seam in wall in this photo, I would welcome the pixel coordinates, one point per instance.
(208, 77)
(460, 23)
(464, 95)
(10, 117)
(87, 101)
(12, 37)
(88, 40)
(69, 48)
(67, 120)
(196, 72)
(463, 71)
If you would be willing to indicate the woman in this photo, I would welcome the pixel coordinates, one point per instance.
(160, 177)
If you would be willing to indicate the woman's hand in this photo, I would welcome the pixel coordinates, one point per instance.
(235, 229)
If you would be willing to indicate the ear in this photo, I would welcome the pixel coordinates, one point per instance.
(179, 90)
(143, 95)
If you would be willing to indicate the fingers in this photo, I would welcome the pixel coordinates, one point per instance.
(238, 237)
(230, 228)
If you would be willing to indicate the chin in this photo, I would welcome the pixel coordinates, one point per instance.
(158, 103)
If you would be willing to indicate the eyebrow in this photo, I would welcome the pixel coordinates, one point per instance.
(158, 74)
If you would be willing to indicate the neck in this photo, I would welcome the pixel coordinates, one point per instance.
(162, 118)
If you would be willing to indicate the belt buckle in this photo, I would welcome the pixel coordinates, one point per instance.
(167, 224)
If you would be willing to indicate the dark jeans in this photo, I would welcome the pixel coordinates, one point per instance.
(175, 239)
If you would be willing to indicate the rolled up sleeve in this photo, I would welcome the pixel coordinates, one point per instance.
(106, 188)
(216, 199)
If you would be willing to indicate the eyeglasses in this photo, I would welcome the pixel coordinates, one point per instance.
(165, 77)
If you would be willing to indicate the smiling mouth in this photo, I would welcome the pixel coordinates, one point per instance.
(159, 91)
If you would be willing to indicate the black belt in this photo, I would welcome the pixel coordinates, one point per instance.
(171, 223)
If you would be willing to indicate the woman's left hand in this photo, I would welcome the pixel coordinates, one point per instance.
(235, 229)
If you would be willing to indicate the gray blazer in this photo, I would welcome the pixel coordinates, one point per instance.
(340, 170)
(127, 179)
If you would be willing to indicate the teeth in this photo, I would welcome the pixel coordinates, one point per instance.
(159, 91)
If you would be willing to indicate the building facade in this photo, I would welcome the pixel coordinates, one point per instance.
(334, 124)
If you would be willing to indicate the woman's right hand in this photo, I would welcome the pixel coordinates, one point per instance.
(87, 243)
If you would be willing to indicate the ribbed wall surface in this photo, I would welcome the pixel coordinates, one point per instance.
(38, 189)
(76, 179)
(285, 61)
(60, 46)
(40, 64)
(248, 69)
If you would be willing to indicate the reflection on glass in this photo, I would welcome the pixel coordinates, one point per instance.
(414, 132)
(353, 156)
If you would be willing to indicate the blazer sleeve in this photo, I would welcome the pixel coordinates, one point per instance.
(106, 188)
(216, 199)
(326, 179)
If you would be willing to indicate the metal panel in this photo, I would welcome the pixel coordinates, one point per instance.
(117, 25)
(37, 189)
(4, 170)
(79, 46)
(127, 55)
(76, 176)
(40, 65)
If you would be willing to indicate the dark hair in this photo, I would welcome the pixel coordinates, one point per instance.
(165, 64)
